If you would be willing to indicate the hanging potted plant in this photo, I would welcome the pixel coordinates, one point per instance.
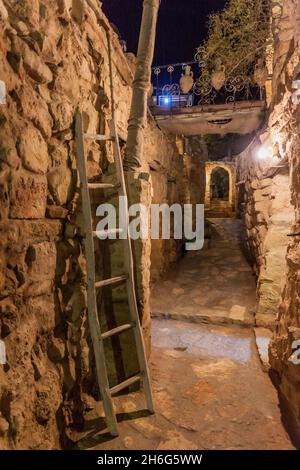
(187, 80)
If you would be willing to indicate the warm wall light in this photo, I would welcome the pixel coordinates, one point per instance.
(264, 152)
(268, 151)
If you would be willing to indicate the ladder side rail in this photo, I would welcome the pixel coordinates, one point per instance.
(93, 318)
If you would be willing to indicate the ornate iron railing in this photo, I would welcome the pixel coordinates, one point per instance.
(192, 84)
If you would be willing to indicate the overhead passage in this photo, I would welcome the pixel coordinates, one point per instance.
(241, 118)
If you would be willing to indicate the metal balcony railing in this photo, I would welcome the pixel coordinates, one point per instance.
(190, 84)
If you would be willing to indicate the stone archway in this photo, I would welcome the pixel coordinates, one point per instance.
(219, 184)
(224, 199)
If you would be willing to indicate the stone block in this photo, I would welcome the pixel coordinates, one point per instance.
(35, 109)
(33, 64)
(33, 150)
(41, 261)
(56, 212)
(58, 152)
(293, 257)
(60, 184)
(3, 12)
(34, 231)
(266, 183)
(22, 28)
(269, 298)
(262, 232)
(28, 195)
(56, 350)
(90, 118)
(255, 184)
(64, 9)
(62, 112)
(78, 10)
(29, 11)
(282, 218)
(262, 206)
(10, 157)
(261, 218)
(248, 221)
(258, 196)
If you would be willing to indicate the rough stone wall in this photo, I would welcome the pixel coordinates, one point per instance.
(195, 157)
(53, 58)
(272, 204)
(177, 178)
(285, 120)
(167, 188)
(268, 214)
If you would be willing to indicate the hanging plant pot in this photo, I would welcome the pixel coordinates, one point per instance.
(187, 80)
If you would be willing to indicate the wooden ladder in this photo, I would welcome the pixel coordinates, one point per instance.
(97, 336)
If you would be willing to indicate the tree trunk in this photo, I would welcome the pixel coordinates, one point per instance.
(141, 86)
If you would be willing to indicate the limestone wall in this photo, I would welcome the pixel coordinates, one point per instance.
(268, 214)
(195, 177)
(270, 203)
(284, 120)
(166, 169)
(53, 58)
(182, 182)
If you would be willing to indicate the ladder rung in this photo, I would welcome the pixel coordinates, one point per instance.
(100, 137)
(112, 231)
(102, 186)
(125, 384)
(111, 281)
(118, 330)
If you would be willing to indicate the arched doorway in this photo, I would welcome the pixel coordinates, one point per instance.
(219, 185)
(220, 193)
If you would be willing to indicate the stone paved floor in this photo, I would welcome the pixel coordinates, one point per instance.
(215, 285)
(210, 393)
(209, 386)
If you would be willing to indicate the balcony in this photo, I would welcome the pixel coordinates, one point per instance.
(209, 104)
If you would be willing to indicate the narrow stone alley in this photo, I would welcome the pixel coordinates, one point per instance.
(210, 389)
(186, 292)
(125, 127)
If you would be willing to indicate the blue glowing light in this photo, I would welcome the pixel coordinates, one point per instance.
(165, 100)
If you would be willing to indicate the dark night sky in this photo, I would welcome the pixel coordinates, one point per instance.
(181, 25)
